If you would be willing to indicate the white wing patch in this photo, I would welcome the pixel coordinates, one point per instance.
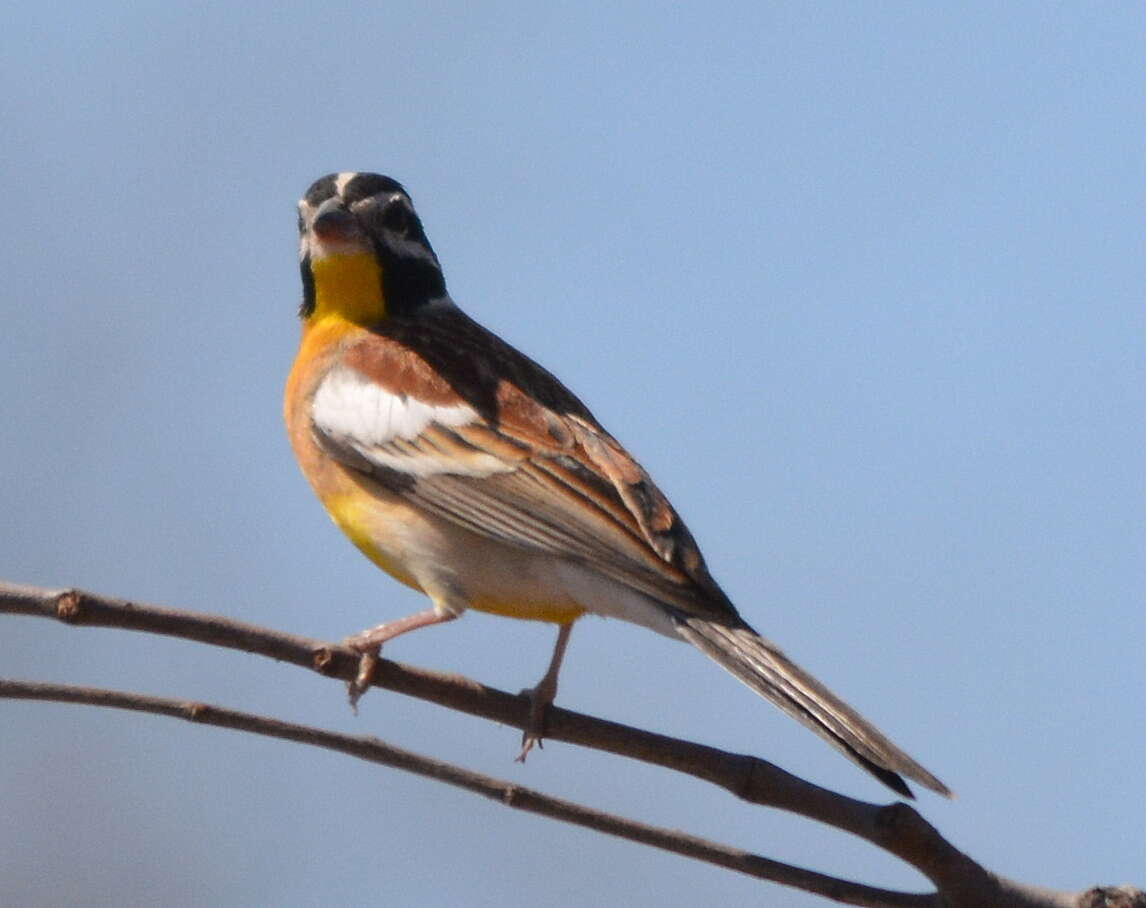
(349, 405)
(384, 427)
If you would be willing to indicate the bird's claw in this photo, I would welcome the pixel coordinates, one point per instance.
(361, 683)
(534, 733)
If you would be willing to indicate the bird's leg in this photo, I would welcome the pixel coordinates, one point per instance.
(369, 644)
(541, 696)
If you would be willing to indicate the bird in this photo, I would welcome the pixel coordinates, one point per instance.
(470, 473)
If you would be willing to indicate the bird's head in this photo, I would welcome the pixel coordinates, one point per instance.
(363, 253)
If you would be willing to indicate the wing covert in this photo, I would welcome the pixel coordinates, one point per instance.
(498, 455)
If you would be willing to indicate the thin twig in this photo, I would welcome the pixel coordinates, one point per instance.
(508, 793)
(896, 828)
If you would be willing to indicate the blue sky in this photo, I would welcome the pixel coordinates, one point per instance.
(860, 284)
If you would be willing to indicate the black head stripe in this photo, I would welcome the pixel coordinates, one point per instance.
(363, 185)
(321, 190)
(306, 307)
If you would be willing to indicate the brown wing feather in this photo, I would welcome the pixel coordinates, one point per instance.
(545, 476)
(570, 489)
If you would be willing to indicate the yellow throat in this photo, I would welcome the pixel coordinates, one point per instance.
(348, 287)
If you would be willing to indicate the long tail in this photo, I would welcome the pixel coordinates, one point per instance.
(763, 667)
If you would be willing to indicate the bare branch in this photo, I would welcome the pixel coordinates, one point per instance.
(896, 828)
(510, 794)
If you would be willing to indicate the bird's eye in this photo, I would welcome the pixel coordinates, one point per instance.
(396, 217)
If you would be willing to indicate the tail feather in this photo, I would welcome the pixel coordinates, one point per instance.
(764, 668)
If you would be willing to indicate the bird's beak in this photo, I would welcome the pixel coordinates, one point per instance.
(333, 223)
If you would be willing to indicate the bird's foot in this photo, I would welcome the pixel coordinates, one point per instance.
(540, 699)
(367, 663)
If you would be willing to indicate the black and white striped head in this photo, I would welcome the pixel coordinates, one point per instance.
(344, 215)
